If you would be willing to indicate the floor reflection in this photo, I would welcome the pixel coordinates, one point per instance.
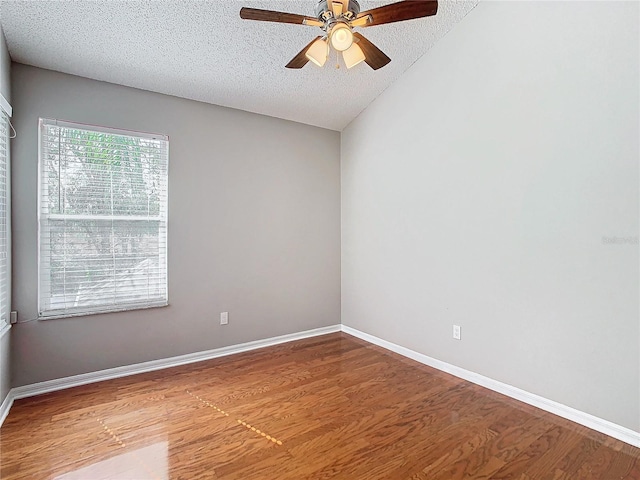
(144, 463)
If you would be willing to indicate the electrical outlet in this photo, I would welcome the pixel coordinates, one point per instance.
(224, 318)
(456, 332)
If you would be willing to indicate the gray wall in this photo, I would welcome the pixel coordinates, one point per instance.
(254, 228)
(5, 366)
(485, 188)
(5, 341)
(5, 68)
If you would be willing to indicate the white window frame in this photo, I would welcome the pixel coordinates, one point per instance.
(45, 312)
(5, 300)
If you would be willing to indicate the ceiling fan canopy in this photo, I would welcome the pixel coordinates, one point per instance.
(337, 19)
(346, 8)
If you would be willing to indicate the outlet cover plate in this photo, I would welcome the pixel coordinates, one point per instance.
(456, 332)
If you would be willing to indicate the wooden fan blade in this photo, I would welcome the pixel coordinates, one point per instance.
(300, 60)
(374, 57)
(400, 11)
(273, 16)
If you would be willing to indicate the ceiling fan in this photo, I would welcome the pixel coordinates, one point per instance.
(337, 18)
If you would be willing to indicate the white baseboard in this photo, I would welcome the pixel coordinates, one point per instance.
(118, 372)
(604, 426)
(595, 423)
(5, 407)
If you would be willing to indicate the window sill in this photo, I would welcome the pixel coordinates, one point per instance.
(86, 314)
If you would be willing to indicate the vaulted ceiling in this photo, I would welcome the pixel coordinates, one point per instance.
(202, 50)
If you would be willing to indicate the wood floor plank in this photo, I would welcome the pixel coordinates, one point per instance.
(329, 407)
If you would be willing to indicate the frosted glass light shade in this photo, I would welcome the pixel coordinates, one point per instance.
(353, 56)
(318, 52)
(341, 37)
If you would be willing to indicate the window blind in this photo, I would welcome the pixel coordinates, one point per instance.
(5, 218)
(102, 219)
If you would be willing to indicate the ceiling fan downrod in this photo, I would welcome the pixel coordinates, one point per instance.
(327, 10)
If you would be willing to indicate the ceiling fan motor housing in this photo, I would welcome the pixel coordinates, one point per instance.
(324, 11)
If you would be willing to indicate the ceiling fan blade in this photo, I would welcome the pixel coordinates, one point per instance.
(300, 60)
(400, 11)
(374, 57)
(273, 16)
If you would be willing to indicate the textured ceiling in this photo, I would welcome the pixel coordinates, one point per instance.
(203, 51)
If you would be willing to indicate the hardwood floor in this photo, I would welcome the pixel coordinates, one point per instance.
(327, 407)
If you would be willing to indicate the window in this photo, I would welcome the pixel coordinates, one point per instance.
(102, 219)
(5, 217)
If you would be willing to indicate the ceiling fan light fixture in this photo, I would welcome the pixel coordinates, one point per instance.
(318, 52)
(341, 37)
(353, 56)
